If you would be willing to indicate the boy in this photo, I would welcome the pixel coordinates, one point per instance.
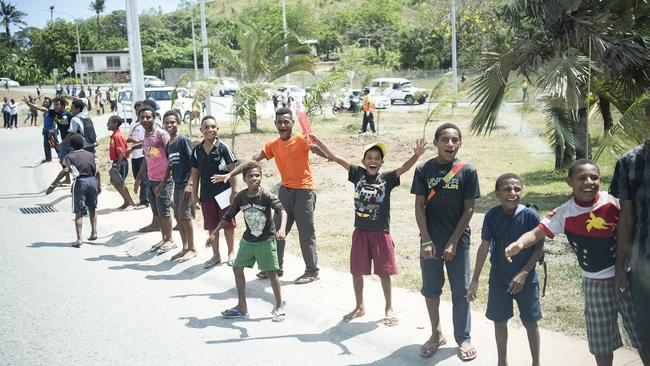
(630, 184)
(590, 220)
(49, 127)
(371, 239)
(291, 153)
(155, 164)
(179, 152)
(119, 166)
(445, 189)
(211, 157)
(86, 187)
(517, 280)
(258, 242)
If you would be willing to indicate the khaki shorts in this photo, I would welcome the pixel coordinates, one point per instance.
(183, 207)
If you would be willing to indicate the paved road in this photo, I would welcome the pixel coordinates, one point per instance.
(114, 303)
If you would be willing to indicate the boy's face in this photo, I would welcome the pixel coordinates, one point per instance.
(448, 144)
(170, 125)
(110, 125)
(146, 119)
(58, 107)
(509, 193)
(253, 179)
(209, 129)
(284, 124)
(372, 161)
(585, 183)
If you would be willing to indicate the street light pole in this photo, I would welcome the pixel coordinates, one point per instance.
(287, 77)
(79, 68)
(454, 65)
(135, 50)
(204, 41)
(196, 64)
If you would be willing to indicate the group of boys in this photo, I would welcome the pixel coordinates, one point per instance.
(607, 231)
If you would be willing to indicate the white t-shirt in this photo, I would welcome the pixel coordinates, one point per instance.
(14, 108)
(137, 134)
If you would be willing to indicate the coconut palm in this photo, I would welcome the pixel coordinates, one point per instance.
(567, 48)
(9, 15)
(98, 6)
(260, 60)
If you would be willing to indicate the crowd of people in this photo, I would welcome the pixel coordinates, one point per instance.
(607, 230)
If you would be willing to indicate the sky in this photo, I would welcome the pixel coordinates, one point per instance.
(38, 13)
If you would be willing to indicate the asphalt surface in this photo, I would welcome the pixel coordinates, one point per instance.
(114, 303)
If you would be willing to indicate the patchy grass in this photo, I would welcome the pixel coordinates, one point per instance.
(518, 145)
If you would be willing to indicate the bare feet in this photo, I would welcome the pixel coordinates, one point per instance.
(77, 244)
(187, 256)
(93, 236)
(178, 255)
(390, 320)
(356, 313)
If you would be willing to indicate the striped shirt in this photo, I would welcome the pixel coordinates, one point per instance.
(631, 182)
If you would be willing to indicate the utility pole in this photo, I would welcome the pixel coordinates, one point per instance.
(287, 77)
(454, 65)
(196, 64)
(135, 50)
(51, 13)
(206, 65)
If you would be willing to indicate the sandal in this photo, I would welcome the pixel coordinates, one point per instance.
(468, 353)
(262, 275)
(169, 245)
(210, 263)
(390, 321)
(429, 348)
(234, 313)
(156, 246)
(306, 278)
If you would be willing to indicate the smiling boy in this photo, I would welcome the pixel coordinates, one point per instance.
(445, 189)
(371, 239)
(589, 220)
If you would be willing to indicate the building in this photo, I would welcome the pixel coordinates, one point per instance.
(108, 63)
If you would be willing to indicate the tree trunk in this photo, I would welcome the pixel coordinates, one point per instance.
(606, 112)
(98, 26)
(559, 152)
(252, 115)
(580, 131)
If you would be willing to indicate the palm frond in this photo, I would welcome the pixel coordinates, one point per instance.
(559, 130)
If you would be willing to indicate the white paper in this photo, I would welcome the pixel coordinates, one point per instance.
(223, 198)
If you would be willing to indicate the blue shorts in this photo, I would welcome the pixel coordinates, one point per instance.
(161, 205)
(123, 168)
(84, 194)
(499, 306)
(433, 276)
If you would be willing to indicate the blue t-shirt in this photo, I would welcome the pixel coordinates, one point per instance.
(48, 123)
(179, 153)
(500, 230)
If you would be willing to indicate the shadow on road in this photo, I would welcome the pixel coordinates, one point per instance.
(118, 238)
(410, 355)
(188, 273)
(43, 244)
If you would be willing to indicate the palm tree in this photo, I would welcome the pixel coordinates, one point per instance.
(569, 49)
(9, 14)
(260, 60)
(98, 6)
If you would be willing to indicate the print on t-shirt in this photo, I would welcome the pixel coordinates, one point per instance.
(368, 197)
(255, 218)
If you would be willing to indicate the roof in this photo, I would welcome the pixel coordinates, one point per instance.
(392, 80)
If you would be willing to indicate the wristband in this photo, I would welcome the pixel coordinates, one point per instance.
(426, 243)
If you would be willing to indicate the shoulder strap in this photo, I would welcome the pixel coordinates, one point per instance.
(449, 176)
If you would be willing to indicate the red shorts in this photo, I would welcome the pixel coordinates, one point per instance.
(212, 214)
(375, 246)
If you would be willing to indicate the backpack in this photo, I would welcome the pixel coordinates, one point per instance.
(89, 131)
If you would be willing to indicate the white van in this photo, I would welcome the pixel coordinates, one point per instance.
(162, 96)
(398, 89)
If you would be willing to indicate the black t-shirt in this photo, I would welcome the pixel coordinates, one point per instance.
(372, 198)
(62, 120)
(82, 161)
(257, 214)
(178, 156)
(447, 206)
(209, 164)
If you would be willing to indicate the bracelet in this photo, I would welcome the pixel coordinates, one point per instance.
(426, 243)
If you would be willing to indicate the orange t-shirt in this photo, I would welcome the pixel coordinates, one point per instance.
(292, 160)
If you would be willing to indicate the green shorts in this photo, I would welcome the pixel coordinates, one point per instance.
(264, 252)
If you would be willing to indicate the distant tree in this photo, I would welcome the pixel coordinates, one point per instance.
(10, 15)
(98, 6)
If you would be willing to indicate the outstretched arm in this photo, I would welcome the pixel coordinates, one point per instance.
(329, 154)
(524, 241)
(238, 169)
(34, 105)
(418, 150)
(56, 180)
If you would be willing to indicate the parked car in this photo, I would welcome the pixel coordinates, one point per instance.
(162, 96)
(4, 82)
(153, 81)
(398, 89)
(227, 86)
(296, 93)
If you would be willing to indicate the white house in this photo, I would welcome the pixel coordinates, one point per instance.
(102, 61)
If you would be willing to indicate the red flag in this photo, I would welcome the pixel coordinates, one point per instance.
(304, 122)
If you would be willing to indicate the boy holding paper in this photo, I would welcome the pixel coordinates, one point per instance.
(208, 158)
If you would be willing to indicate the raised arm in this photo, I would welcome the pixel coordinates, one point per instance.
(418, 150)
(34, 105)
(216, 178)
(329, 154)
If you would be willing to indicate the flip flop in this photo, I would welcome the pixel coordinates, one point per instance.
(279, 317)
(262, 275)
(306, 278)
(390, 321)
(429, 348)
(92, 237)
(156, 246)
(234, 313)
(463, 354)
(169, 245)
(210, 263)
